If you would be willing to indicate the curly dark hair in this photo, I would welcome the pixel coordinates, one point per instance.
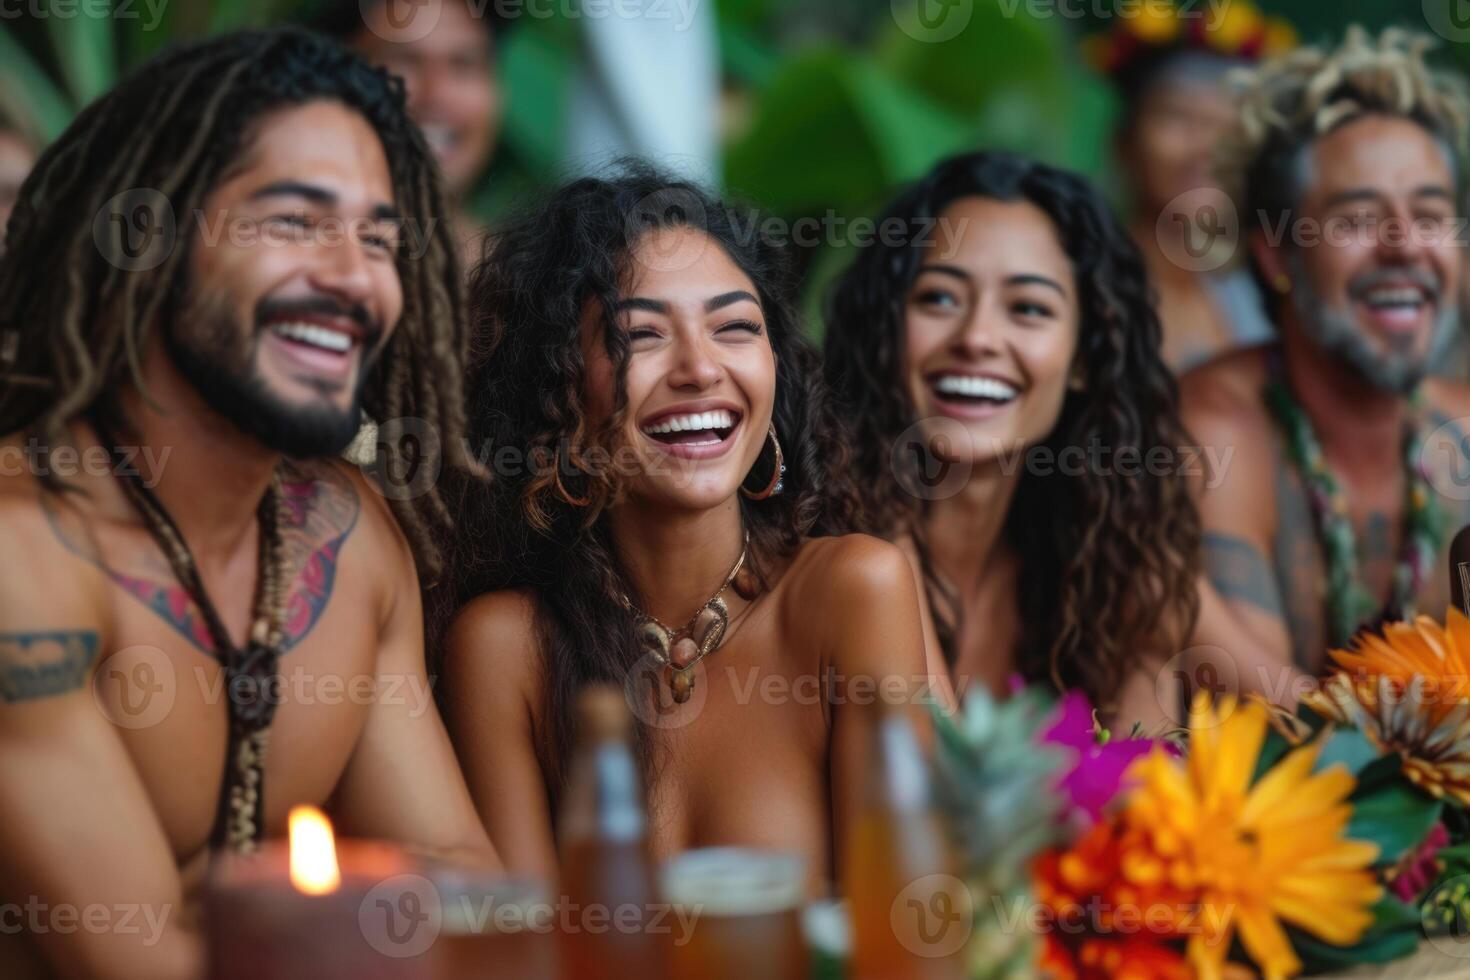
(1107, 562)
(528, 298)
(77, 322)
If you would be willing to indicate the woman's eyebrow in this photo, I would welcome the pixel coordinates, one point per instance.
(642, 303)
(1035, 279)
(725, 299)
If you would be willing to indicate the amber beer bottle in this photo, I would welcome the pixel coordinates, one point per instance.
(910, 913)
(609, 922)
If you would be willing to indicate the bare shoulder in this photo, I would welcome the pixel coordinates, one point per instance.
(850, 567)
(493, 646)
(1226, 394)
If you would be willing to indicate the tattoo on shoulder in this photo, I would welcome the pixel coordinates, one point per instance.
(1240, 572)
(44, 664)
(319, 509)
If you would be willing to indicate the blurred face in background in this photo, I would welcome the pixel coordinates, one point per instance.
(1379, 286)
(1181, 116)
(991, 327)
(16, 160)
(442, 51)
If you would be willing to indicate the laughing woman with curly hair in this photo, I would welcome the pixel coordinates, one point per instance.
(670, 481)
(1016, 431)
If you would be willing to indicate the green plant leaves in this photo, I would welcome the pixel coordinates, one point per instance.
(1394, 934)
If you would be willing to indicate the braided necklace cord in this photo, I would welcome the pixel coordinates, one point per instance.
(249, 673)
(1349, 604)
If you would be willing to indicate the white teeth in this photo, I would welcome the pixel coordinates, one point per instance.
(698, 422)
(309, 333)
(1407, 296)
(970, 386)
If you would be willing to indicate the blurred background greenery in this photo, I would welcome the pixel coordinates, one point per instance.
(828, 104)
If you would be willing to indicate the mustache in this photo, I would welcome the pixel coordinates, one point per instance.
(1423, 278)
(274, 309)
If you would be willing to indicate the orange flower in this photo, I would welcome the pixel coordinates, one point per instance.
(1409, 692)
(1260, 855)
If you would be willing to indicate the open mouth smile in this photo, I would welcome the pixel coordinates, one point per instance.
(694, 435)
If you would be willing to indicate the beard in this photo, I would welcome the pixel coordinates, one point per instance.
(216, 353)
(1338, 333)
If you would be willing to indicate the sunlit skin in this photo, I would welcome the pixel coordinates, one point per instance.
(770, 765)
(995, 298)
(449, 75)
(158, 782)
(1362, 179)
(1167, 152)
(16, 159)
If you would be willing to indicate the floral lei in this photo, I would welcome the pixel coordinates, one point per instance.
(1349, 605)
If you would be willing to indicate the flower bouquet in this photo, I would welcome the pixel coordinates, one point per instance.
(1268, 843)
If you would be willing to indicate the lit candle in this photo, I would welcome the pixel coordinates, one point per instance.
(318, 908)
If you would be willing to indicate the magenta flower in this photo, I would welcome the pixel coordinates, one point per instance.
(1095, 777)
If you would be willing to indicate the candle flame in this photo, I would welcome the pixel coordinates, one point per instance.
(313, 852)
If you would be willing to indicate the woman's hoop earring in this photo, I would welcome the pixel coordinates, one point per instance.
(778, 472)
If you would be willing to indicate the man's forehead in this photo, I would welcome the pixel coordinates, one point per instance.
(323, 141)
(1383, 154)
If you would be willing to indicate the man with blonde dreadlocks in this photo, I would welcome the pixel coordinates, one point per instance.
(1346, 464)
(205, 618)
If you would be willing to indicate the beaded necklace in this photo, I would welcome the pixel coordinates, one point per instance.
(250, 674)
(1349, 604)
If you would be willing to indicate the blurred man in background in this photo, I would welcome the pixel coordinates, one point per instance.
(444, 50)
(1346, 464)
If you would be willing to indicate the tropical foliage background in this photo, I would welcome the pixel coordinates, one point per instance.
(828, 103)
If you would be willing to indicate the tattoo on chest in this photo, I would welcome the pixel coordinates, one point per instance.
(319, 509)
(44, 664)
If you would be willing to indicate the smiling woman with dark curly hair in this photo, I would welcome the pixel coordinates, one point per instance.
(670, 487)
(1016, 430)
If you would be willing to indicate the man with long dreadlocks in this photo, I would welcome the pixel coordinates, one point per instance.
(1346, 463)
(213, 274)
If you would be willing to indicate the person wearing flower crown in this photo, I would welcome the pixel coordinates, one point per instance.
(1169, 67)
(1346, 463)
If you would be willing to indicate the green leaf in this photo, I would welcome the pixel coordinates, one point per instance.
(86, 49)
(537, 72)
(1272, 749)
(1393, 935)
(1395, 816)
(27, 93)
(1349, 747)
